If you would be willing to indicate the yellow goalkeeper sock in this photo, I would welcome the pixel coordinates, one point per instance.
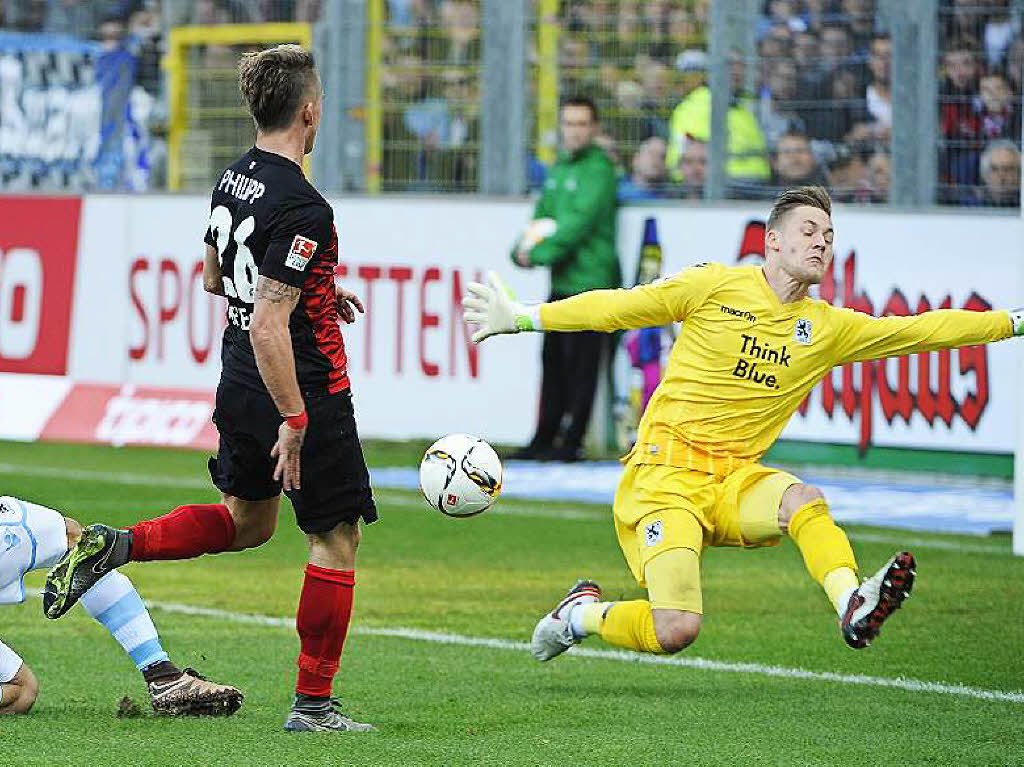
(839, 584)
(825, 549)
(630, 625)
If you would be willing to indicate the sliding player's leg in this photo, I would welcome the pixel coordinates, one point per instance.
(862, 609)
(658, 523)
(247, 516)
(186, 532)
(758, 504)
(36, 537)
(18, 686)
(115, 604)
(668, 621)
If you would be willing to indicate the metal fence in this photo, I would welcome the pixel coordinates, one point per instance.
(635, 60)
(202, 40)
(981, 61)
(884, 101)
(428, 88)
(208, 124)
(809, 99)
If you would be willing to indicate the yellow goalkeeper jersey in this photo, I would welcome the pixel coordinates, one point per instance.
(744, 361)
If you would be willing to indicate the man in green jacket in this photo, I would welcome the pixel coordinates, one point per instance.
(573, 233)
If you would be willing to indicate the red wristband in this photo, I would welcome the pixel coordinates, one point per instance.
(300, 421)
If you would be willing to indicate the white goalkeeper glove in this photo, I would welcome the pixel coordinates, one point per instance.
(493, 310)
(1017, 318)
(538, 231)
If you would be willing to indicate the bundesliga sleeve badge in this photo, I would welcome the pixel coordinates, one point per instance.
(300, 252)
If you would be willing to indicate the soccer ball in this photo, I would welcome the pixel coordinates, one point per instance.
(460, 475)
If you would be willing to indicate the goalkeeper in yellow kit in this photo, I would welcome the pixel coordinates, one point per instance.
(753, 346)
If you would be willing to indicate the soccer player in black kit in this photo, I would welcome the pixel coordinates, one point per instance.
(284, 409)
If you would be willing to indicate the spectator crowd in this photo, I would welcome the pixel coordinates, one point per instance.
(811, 102)
(811, 97)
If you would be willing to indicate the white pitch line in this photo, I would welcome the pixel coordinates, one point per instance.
(90, 475)
(419, 635)
(396, 498)
(928, 543)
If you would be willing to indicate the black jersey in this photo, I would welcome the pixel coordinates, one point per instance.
(267, 219)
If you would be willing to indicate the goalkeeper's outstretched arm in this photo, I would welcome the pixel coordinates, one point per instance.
(493, 309)
(864, 337)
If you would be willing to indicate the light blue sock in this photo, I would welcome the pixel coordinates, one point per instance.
(115, 603)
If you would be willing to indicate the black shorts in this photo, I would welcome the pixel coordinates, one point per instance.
(335, 482)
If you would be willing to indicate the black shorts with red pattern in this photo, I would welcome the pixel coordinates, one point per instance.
(335, 481)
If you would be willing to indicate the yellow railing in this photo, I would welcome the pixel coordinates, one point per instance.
(180, 39)
(547, 80)
(374, 102)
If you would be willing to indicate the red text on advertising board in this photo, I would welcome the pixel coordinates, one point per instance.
(434, 295)
(38, 244)
(163, 294)
(869, 384)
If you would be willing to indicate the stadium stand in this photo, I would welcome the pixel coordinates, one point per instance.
(820, 68)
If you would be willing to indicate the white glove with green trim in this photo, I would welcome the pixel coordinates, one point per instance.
(494, 310)
(1017, 317)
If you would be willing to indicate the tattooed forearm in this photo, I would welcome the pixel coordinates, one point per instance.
(276, 292)
(272, 342)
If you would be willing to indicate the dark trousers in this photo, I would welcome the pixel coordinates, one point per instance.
(571, 362)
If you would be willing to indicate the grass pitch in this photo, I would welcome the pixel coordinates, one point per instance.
(490, 577)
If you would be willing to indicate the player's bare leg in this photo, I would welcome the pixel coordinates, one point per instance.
(188, 531)
(255, 521)
(18, 694)
(325, 609)
(114, 603)
(862, 607)
(676, 629)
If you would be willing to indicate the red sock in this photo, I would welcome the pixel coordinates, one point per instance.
(186, 532)
(324, 611)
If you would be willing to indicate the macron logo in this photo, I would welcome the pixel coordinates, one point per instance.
(738, 313)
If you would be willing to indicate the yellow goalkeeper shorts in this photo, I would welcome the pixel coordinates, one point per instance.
(658, 508)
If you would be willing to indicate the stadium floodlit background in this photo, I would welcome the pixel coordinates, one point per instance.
(440, 124)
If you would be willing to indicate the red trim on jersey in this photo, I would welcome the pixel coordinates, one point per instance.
(321, 305)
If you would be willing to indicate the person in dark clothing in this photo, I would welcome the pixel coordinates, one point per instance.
(959, 146)
(793, 164)
(573, 233)
(830, 114)
(1000, 176)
